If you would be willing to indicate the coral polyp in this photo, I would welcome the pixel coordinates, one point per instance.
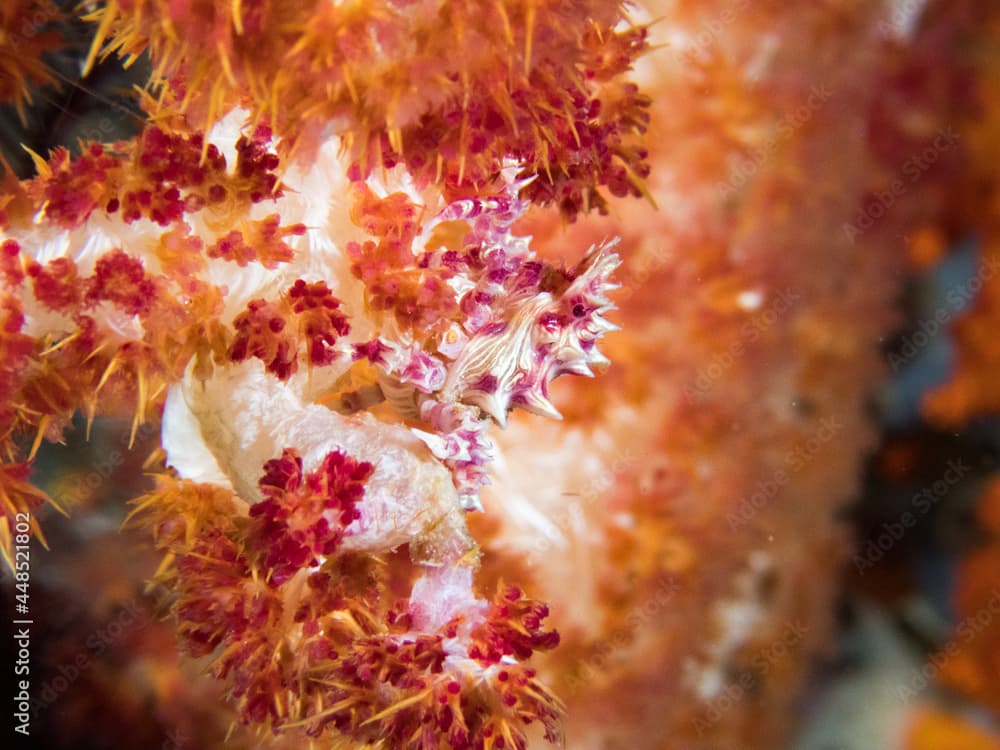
(449, 88)
(28, 31)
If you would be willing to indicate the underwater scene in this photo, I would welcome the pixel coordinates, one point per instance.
(500, 374)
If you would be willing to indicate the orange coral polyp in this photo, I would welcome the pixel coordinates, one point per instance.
(307, 322)
(399, 79)
(262, 241)
(121, 280)
(394, 278)
(159, 176)
(56, 284)
(11, 264)
(26, 35)
(325, 647)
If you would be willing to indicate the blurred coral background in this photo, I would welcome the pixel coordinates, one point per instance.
(774, 521)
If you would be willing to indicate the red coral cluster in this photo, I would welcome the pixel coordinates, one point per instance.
(53, 375)
(321, 645)
(262, 241)
(513, 628)
(121, 280)
(450, 92)
(303, 517)
(307, 321)
(574, 139)
(159, 176)
(417, 296)
(171, 316)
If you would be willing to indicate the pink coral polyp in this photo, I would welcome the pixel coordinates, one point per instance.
(303, 516)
